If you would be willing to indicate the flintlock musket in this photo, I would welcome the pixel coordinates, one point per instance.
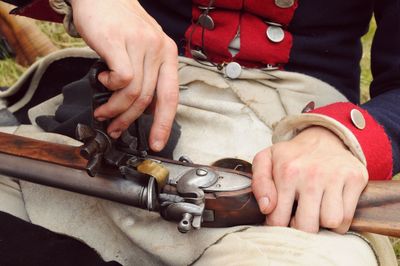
(192, 195)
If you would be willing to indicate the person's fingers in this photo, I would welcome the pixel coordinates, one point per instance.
(150, 83)
(282, 213)
(166, 100)
(331, 215)
(285, 172)
(262, 183)
(150, 74)
(122, 99)
(308, 209)
(351, 194)
(118, 61)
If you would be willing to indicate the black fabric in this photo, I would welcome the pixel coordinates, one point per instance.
(57, 75)
(76, 107)
(25, 244)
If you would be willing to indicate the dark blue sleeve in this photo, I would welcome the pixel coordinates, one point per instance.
(385, 64)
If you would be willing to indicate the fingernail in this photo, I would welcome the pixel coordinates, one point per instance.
(157, 145)
(115, 134)
(263, 203)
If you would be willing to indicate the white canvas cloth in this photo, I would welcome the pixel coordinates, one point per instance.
(219, 118)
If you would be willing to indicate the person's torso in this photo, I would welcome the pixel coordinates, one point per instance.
(319, 38)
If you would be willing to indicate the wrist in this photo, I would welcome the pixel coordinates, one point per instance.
(319, 135)
(367, 141)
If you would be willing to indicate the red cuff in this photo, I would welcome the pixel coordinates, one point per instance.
(38, 9)
(373, 139)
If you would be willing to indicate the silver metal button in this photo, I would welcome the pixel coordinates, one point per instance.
(275, 34)
(284, 3)
(198, 54)
(206, 22)
(233, 70)
(358, 119)
(201, 172)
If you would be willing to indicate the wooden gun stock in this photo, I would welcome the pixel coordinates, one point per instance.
(378, 210)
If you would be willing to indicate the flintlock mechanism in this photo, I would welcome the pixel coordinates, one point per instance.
(191, 195)
(176, 189)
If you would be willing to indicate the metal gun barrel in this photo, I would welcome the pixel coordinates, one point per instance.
(112, 187)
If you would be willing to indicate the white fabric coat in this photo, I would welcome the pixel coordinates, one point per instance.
(219, 118)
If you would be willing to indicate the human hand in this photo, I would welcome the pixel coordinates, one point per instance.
(142, 60)
(317, 170)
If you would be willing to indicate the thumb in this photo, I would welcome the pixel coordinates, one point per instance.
(262, 183)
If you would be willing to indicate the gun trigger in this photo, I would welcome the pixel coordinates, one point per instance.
(196, 223)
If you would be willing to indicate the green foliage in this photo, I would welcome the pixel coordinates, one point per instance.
(9, 72)
(366, 76)
(58, 35)
(396, 247)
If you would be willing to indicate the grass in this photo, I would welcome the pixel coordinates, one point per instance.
(9, 71)
(58, 35)
(366, 75)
